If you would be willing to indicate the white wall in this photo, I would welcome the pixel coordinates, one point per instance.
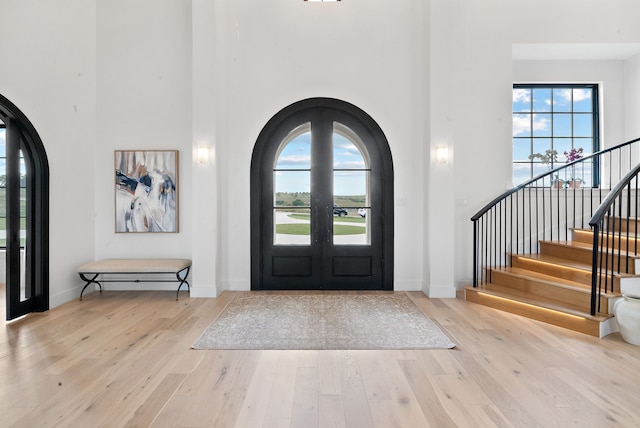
(48, 71)
(95, 76)
(365, 53)
(479, 73)
(439, 237)
(632, 100)
(143, 102)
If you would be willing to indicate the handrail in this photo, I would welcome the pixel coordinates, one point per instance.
(598, 154)
(603, 209)
(516, 221)
(613, 228)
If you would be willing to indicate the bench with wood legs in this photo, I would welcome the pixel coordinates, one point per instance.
(90, 272)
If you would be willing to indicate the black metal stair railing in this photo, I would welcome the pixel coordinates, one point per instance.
(615, 236)
(539, 209)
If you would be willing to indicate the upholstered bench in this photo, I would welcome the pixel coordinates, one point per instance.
(90, 272)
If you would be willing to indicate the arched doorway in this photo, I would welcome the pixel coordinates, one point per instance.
(321, 200)
(25, 192)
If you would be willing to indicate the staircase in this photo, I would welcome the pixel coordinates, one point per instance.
(554, 285)
(533, 246)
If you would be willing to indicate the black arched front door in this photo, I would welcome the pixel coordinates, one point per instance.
(26, 213)
(321, 200)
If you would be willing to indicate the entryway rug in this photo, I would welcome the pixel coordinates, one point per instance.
(323, 321)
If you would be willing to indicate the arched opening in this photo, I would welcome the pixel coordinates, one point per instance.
(24, 210)
(322, 200)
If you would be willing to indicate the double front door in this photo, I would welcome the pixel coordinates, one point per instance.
(321, 211)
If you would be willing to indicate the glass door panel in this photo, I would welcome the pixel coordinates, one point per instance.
(292, 208)
(24, 291)
(292, 189)
(22, 198)
(351, 175)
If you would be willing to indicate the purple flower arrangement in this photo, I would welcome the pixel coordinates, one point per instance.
(573, 154)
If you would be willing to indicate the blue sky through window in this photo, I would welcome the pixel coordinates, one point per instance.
(3, 154)
(557, 118)
(296, 155)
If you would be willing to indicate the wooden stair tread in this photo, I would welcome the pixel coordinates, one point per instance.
(541, 303)
(568, 263)
(555, 260)
(612, 232)
(586, 247)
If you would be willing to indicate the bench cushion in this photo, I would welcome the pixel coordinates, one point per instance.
(135, 266)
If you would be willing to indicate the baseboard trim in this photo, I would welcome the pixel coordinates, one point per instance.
(204, 291)
(64, 297)
(236, 285)
(407, 286)
(440, 291)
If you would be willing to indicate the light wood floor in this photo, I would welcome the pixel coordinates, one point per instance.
(124, 359)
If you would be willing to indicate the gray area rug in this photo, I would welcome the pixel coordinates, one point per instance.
(322, 321)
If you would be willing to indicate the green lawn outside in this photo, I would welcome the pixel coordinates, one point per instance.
(3, 226)
(304, 229)
(3, 203)
(345, 219)
(3, 223)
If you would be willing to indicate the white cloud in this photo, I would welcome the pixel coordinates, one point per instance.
(348, 148)
(521, 167)
(581, 94)
(521, 124)
(540, 123)
(565, 94)
(578, 94)
(359, 164)
(294, 160)
(348, 154)
(521, 95)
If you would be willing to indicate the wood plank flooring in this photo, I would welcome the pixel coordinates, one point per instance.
(123, 359)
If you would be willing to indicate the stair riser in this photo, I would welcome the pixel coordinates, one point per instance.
(581, 325)
(580, 299)
(585, 236)
(584, 256)
(581, 276)
(626, 244)
(577, 254)
(560, 271)
(624, 225)
(622, 264)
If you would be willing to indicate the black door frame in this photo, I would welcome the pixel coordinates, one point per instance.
(273, 133)
(22, 136)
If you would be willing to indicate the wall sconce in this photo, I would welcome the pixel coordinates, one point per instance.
(442, 155)
(203, 154)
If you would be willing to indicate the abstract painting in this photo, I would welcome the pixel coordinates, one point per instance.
(146, 190)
